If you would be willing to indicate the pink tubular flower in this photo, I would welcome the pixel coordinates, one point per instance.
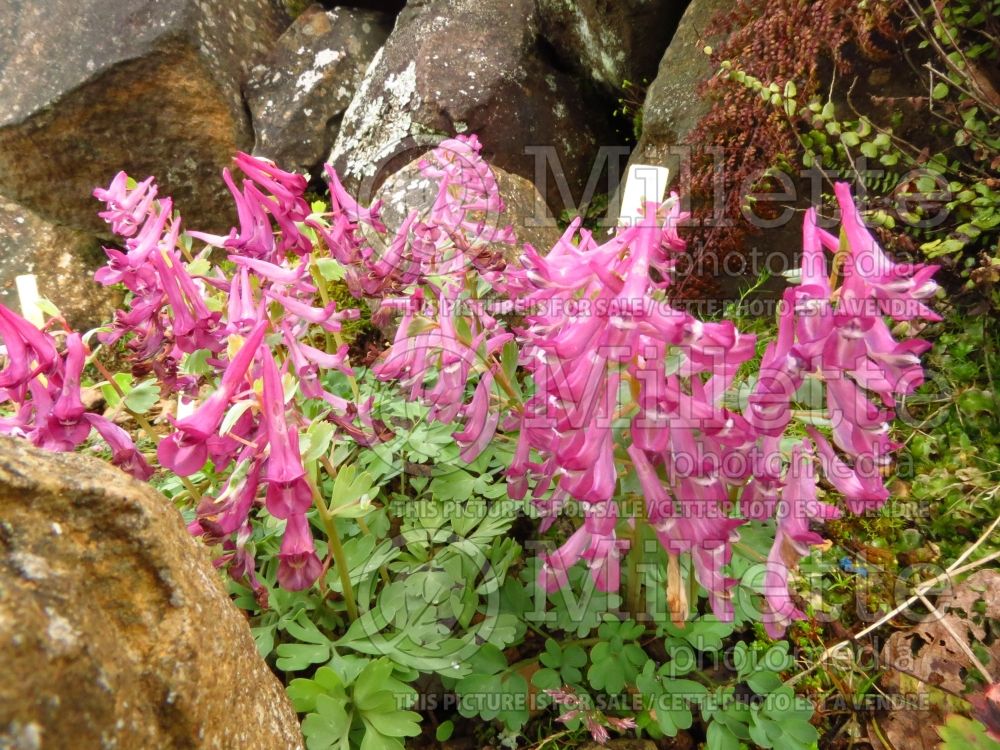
(840, 338)
(176, 325)
(298, 565)
(238, 558)
(286, 187)
(123, 452)
(127, 208)
(65, 427)
(186, 450)
(269, 194)
(218, 517)
(593, 542)
(595, 720)
(597, 323)
(481, 421)
(791, 541)
(899, 289)
(44, 388)
(288, 492)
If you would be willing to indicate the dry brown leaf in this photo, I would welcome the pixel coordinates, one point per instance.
(927, 656)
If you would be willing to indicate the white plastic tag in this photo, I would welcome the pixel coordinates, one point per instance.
(27, 292)
(643, 183)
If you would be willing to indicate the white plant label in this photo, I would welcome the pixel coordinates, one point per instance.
(643, 183)
(27, 292)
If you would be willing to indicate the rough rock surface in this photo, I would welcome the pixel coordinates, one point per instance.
(609, 42)
(524, 207)
(383, 6)
(63, 259)
(673, 106)
(298, 96)
(457, 66)
(115, 630)
(90, 87)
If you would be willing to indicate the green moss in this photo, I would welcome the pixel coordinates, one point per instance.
(353, 329)
(295, 8)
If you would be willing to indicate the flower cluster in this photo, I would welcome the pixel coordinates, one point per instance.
(635, 366)
(43, 385)
(625, 394)
(448, 257)
(256, 317)
(617, 370)
(629, 391)
(260, 321)
(576, 708)
(457, 230)
(838, 337)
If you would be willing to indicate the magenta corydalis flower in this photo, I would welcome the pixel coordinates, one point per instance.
(298, 565)
(123, 451)
(270, 194)
(598, 323)
(186, 450)
(288, 492)
(797, 507)
(127, 208)
(840, 338)
(45, 388)
(64, 428)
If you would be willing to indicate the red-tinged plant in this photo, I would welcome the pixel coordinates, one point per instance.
(742, 136)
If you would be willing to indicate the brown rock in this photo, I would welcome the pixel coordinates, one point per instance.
(467, 66)
(673, 105)
(63, 260)
(115, 630)
(298, 96)
(149, 86)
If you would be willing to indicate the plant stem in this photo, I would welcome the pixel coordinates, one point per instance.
(337, 550)
(320, 282)
(192, 489)
(634, 558)
(677, 599)
(838, 260)
(362, 524)
(501, 379)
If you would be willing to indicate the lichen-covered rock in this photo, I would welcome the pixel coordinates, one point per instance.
(115, 630)
(457, 66)
(298, 95)
(610, 42)
(524, 207)
(62, 259)
(90, 87)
